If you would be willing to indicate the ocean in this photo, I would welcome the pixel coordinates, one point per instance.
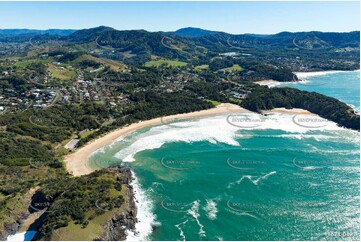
(343, 85)
(267, 178)
(246, 177)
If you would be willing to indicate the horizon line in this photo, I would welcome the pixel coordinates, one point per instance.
(34, 29)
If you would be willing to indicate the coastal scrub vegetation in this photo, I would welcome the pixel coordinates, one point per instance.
(58, 87)
(264, 98)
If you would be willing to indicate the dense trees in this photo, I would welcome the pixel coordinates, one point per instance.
(263, 98)
(220, 63)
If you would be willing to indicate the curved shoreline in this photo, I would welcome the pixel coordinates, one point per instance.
(77, 162)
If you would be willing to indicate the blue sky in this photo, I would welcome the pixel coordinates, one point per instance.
(232, 17)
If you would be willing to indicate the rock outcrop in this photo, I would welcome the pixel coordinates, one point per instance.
(121, 222)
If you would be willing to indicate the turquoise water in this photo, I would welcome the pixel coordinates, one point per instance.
(344, 86)
(22, 236)
(269, 198)
(209, 180)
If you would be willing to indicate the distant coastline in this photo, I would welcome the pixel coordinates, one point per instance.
(273, 83)
(318, 73)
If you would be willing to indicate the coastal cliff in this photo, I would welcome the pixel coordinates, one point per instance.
(14, 218)
(117, 227)
(98, 206)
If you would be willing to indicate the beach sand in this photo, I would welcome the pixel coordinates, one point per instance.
(77, 162)
(292, 111)
(270, 83)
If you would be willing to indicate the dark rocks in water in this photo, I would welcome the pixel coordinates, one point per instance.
(155, 225)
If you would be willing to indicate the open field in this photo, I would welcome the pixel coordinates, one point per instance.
(114, 65)
(233, 68)
(65, 74)
(201, 67)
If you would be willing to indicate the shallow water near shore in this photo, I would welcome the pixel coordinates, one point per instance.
(210, 180)
(237, 184)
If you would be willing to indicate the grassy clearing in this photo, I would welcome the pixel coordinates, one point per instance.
(87, 133)
(114, 65)
(201, 67)
(158, 63)
(234, 100)
(66, 74)
(233, 68)
(214, 103)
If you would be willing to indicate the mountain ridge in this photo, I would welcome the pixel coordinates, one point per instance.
(185, 31)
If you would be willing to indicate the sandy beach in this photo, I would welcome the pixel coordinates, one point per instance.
(292, 111)
(76, 162)
(270, 83)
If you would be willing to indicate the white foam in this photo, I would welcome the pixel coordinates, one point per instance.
(214, 130)
(204, 129)
(211, 209)
(21, 236)
(315, 73)
(181, 233)
(16, 237)
(194, 212)
(145, 217)
(250, 178)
